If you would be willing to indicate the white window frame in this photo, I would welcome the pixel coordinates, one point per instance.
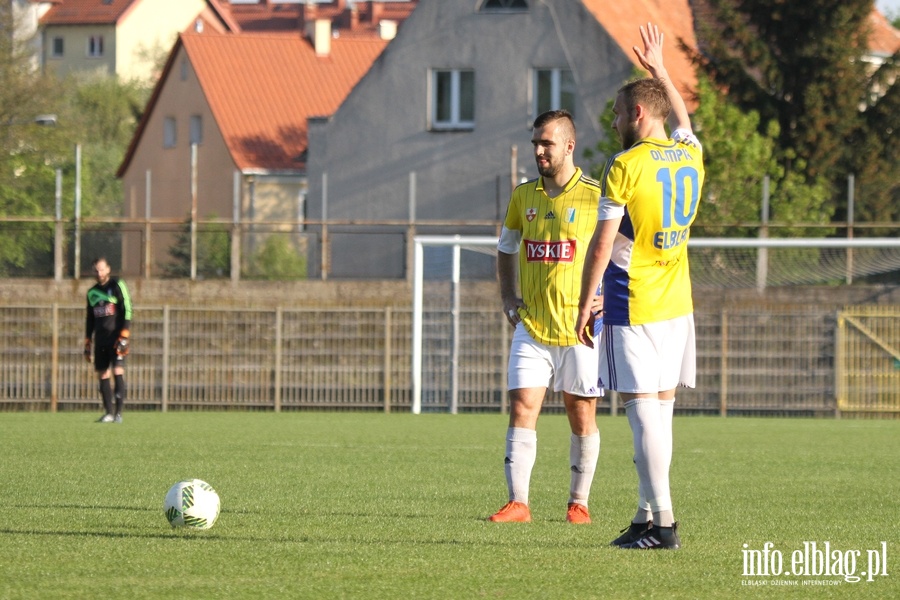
(170, 132)
(556, 89)
(95, 46)
(456, 121)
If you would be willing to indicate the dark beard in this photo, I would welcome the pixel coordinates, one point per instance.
(629, 138)
(549, 171)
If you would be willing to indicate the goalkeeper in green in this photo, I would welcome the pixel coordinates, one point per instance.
(107, 329)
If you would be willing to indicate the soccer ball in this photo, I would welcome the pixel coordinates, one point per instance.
(192, 503)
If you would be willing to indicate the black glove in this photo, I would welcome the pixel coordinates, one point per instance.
(122, 343)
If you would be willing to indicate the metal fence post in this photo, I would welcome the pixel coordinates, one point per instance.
(279, 324)
(165, 360)
(148, 227)
(388, 381)
(762, 254)
(58, 231)
(411, 227)
(851, 185)
(324, 251)
(54, 360)
(723, 367)
(840, 365)
(236, 229)
(194, 212)
(76, 268)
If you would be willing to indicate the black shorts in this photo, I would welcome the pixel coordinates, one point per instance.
(106, 357)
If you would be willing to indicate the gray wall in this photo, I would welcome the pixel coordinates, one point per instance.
(379, 135)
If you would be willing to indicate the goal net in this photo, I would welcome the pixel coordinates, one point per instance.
(459, 349)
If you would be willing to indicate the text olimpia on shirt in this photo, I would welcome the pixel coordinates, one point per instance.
(659, 183)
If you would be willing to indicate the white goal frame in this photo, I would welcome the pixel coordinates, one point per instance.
(457, 242)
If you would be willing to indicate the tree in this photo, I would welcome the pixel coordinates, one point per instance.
(278, 259)
(26, 150)
(213, 252)
(801, 65)
(100, 113)
(737, 157)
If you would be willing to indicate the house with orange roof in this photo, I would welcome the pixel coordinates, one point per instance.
(426, 136)
(112, 37)
(224, 132)
(439, 130)
(238, 87)
(430, 130)
(884, 39)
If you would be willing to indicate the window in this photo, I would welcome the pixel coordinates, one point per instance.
(504, 5)
(57, 47)
(169, 133)
(95, 46)
(453, 99)
(554, 89)
(196, 129)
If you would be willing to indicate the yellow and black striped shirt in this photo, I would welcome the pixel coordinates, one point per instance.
(555, 233)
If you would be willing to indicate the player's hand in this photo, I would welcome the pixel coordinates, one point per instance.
(122, 343)
(511, 310)
(651, 57)
(87, 349)
(584, 327)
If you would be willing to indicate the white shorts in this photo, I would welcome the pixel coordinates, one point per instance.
(651, 358)
(532, 364)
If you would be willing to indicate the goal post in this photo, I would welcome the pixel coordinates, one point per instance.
(455, 242)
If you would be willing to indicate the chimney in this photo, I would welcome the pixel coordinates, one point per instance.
(319, 31)
(387, 30)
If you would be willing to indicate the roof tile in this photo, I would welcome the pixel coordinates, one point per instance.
(261, 89)
(87, 12)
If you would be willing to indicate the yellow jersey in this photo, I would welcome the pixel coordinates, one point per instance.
(555, 234)
(659, 183)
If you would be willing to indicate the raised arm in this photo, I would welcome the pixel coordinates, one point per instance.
(652, 59)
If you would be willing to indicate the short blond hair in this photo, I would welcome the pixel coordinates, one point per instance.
(649, 93)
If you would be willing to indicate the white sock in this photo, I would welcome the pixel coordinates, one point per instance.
(644, 512)
(652, 455)
(583, 453)
(666, 409)
(521, 453)
(665, 518)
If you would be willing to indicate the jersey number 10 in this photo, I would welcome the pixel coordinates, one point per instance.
(677, 206)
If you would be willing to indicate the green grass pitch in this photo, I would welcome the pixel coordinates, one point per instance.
(371, 506)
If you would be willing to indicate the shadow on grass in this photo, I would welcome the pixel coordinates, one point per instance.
(185, 534)
(85, 507)
(195, 535)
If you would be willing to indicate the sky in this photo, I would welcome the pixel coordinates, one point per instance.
(888, 7)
